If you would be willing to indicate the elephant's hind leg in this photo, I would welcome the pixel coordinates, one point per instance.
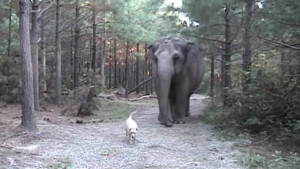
(180, 108)
(187, 108)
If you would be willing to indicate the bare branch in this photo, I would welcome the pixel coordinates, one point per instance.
(42, 11)
(208, 39)
(276, 42)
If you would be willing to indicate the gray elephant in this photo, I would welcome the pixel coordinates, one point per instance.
(179, 71)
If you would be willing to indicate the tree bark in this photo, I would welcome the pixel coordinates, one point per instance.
(212, 76)
(222, 71)
(120, 74)
(94, 48)
(146, 70)
(137, 67)
(35, 51)
(76, 44)
(9, 29)
(58, 95)
(71, 55)
(110, 66)
(115, 67)
(43, 51)
(126, 69)
(27, 100)
(227, 56)
(247, 45)
(103, 59)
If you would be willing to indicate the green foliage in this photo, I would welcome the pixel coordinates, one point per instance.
(10, 83)
(271, 104)
(276, 161)
(142, 21)
(4, 27)
(224, 128)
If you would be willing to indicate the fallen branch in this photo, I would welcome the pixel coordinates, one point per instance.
(7, 147)
(143, 97)
(105, 96)
(141, 84)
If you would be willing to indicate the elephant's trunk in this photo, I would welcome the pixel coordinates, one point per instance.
(164, 76)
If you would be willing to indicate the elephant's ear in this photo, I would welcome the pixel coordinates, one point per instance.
(190, 48)
(151, 51)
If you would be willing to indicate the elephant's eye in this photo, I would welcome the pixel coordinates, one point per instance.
(175, 57)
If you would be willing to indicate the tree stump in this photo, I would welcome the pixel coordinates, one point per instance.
(86, 108)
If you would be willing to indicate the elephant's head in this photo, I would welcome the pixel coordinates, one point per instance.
(169, 55)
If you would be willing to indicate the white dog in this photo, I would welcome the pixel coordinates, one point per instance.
(131, 128)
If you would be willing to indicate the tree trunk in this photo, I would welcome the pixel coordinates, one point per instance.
(222, 71)
(151, 74)
(94, 48)
(227, 56)
(115, 59)
(76, 44)
(110, 66)
(58, 96)
(247, 45)
(43, 51)
(9, 29)
(35, 51)
(71, 55)
(103, 59)
(146, 70)
(126, 69)
(120, 73)
(27, 102)
(137, 67)
(212, 76)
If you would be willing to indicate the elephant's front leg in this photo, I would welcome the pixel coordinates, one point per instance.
(172, 100)
(181, 103)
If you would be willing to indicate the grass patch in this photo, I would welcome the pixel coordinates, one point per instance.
(148, 101)
(61, 164)
(113, 110)
(225, 129)
(276, 161)
(120, 111)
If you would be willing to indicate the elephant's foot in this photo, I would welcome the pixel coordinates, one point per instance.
(168, 124)
(179, 121)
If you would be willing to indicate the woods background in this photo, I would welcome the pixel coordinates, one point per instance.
(251, 50)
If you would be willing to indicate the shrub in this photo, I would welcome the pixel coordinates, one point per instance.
(271, 104)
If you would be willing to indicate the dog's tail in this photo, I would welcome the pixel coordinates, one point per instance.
(133, 113)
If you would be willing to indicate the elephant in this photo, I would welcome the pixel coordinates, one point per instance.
(179, 71)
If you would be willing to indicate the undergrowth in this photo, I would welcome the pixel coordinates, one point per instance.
(276, 161)
(227, 127)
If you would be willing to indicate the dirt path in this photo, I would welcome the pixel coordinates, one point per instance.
(104, 145)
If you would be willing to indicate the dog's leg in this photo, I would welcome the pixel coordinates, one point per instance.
(130, 140)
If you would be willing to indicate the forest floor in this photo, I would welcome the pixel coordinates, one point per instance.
(98, 142)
